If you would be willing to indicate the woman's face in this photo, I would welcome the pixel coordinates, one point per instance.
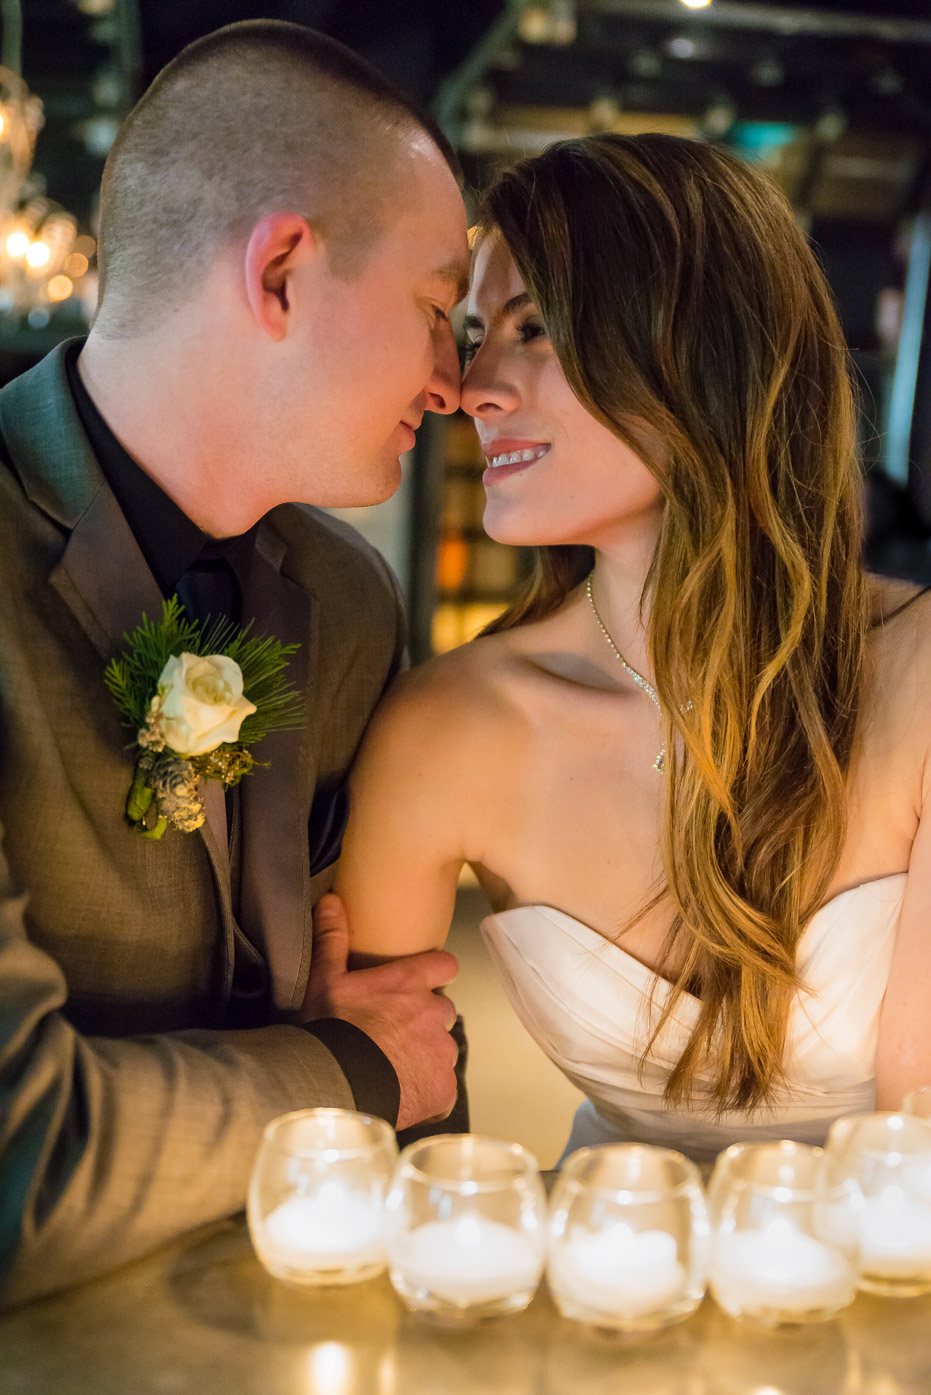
(554, 474)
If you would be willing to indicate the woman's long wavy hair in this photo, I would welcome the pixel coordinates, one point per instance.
(678, 291)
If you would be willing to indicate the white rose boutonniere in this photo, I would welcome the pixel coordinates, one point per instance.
(201, 703)
(197, 699)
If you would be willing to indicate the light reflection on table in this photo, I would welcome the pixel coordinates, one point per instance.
(203, 1317)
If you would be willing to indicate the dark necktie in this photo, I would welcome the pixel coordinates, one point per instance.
(209, 589)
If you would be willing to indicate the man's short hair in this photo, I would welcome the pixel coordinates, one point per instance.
(259, 117)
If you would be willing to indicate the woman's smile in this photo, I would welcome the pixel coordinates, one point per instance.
(508, 457)
(525, 412)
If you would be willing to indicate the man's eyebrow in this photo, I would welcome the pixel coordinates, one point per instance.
(510, 307)
(457, 275)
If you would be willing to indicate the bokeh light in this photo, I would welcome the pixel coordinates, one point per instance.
(76, 264)
(38, 254)
(60, 287)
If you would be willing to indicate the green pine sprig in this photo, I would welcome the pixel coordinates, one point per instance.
(132, 678)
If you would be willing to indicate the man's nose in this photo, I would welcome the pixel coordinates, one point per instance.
(443, 388)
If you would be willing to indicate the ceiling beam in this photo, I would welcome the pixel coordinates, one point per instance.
(771, 19)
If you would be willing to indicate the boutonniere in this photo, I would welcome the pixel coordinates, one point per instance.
(197, 697)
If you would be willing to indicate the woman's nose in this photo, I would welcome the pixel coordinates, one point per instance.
(486, 390)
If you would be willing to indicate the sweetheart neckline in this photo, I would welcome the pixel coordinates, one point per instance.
(552, 911)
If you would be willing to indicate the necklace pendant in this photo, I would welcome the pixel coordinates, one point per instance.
(659, 765)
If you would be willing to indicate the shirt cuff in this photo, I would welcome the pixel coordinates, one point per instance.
(372, 1078)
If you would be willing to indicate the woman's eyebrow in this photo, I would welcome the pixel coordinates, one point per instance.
(510, 307)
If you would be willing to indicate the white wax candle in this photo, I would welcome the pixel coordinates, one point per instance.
(471, 1260)
(618, 1270)
(916, 1180)
(332, 1228)
(895, 1236)
(779, 1268)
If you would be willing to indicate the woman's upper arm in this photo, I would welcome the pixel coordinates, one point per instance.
(405, 844)
(903, 1056)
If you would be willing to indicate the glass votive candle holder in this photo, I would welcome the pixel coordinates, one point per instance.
(466, 1227)
(917, 1103)
(775, 1256)
(887, 1159)
(628, 1237)
(316, 1204)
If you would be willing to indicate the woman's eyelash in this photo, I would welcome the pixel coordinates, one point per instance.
(529, 330)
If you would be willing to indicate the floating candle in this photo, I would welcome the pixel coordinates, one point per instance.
(467, 1261)
(332, 1228)
(895, 1236)
(617, 1270)
(779, 1269)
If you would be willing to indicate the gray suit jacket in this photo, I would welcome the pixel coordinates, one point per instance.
(129, 1110)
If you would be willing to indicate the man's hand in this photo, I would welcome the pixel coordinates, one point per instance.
(396, 1005)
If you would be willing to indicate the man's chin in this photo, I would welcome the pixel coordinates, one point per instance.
(390, 481)
(369, 487)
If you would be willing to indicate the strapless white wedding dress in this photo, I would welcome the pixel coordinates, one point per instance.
(586, 1002)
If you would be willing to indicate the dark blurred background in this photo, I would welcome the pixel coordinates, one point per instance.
(833, 99)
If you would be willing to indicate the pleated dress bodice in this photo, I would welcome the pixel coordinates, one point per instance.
(588, 1004)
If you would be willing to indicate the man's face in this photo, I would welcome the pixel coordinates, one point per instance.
(369, 355)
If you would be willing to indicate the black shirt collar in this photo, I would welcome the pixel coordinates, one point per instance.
(168, 540)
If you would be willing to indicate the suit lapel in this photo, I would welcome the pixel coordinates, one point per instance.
(60, 474)
(274, 900)
(102, 577)
(108, 602)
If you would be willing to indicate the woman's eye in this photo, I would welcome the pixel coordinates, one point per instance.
(526, 333)
(531, 329)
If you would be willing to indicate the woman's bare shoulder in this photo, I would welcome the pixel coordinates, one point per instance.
(900, 628)
(466, 693)
(495, 670)
(897, 691)
(493, 691)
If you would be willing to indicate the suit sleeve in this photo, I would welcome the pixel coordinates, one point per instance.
(110, 1147)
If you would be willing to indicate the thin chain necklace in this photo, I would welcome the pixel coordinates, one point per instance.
(659, 764)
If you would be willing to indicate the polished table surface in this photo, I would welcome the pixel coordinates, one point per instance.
(202, 1316)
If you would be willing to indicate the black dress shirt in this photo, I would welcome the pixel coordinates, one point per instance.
(183, 559)
(210, 577)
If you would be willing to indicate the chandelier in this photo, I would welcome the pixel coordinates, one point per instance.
(41, 256)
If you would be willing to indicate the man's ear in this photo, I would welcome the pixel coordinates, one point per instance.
(278, 246)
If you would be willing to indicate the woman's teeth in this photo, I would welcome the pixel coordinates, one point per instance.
(516, 456)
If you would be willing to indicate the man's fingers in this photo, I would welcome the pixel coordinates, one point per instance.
(432, 968)
(331, 939)
(449, 1011)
